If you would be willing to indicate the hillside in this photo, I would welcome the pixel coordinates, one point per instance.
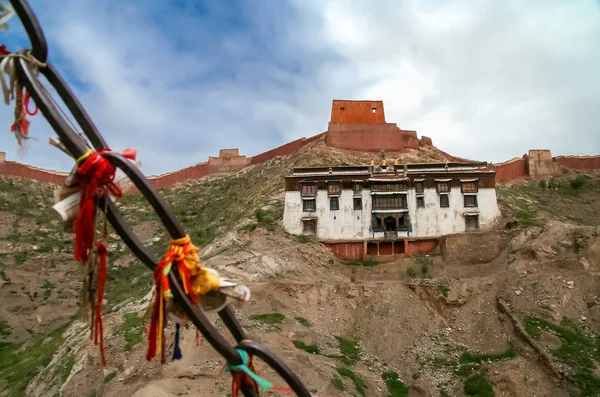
(345, 328)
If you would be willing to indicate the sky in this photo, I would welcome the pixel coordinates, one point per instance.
(178, 80)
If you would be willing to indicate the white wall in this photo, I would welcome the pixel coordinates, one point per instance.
(347, 224)
(432, 220)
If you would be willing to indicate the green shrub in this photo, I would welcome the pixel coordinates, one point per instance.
(359, 383)
(269, 318)
(395, 386)
(411, 272)
(338, 383)
(478, 386)
(578, 182)
(302, 239)
(444, 290)
(312, 349)
(303, 321)
(110, 377)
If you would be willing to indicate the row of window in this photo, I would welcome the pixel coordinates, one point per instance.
(333, 189)
(309, 226)
(387, 202)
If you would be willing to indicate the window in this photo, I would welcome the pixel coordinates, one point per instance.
(373, 110)
(357, 204)
(469, 187)
(444, 201)
(420, 202)
(389, 187)
(334, 204)
(309, 205)
(309, 190)
(333, 189)
(389, 202)
(357, 188)
(419, 187)
(471, 201)
(309, 226)
(471, 222)
(443, 187)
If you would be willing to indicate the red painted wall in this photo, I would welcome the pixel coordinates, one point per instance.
(579, 162)
(422, 246)
(357, 112)
(284, 150)
(511, 170)
(370, 137)
(24, 171)
(349, 251)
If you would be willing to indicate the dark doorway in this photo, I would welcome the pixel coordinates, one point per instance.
(390, 224)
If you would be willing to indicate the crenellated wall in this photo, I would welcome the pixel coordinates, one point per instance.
(12, 168)
(511, 170)
(354, 125)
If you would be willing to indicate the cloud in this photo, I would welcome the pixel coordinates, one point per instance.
(179, 80)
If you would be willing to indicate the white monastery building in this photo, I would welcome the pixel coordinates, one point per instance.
(390, 203)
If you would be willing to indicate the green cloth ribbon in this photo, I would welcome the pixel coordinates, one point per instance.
(244, 367)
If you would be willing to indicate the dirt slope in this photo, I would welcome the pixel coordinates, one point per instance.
(345, 328)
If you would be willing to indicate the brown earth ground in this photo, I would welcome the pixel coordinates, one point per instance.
(418, 327)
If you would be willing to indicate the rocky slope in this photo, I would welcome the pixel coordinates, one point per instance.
(525, 324)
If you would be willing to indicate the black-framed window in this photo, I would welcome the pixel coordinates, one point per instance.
(357, 203)
(309, 205)
(420, 202)
(309, 190)
(384, 202)
(443, 187)
(444, 201)
(333, 189)
(334, 203)
(469, 187)
(420, 187)
(471, 201)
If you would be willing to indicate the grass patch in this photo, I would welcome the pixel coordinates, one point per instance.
(478, 386)
(411, 271)
(127, 283)
(265, 219)
(349, 349)
(131, 329)
(269, 318)
(444, 290)
(578, 349)
(65, 365)
(338, 383)
(423, 262)
(20, 258)
(359, 383)
(21, 362)
(5, 329)
(369, 262)
(312, 349)
(303, 321)
(47, 286)
(302, 239)
(477, 358)
(395, 386)
(528, 217)
(110, 377)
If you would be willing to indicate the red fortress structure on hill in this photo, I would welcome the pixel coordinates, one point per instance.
(354, 125)
(361, 125)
